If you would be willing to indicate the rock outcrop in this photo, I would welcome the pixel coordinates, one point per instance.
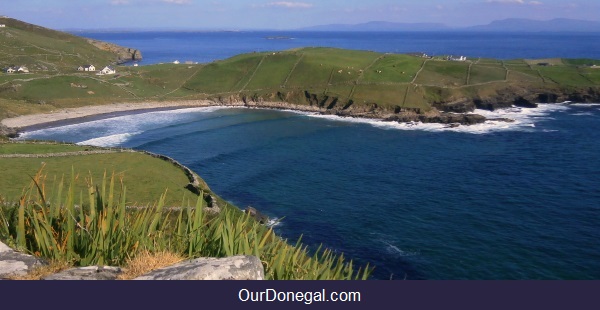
(259, 217)
(7, 131)
(230, 268)
(87, 273)
(124, 54)
(441, 118)
(13, 264)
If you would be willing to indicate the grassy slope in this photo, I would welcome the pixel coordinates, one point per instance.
(386, 79)
(354, 77)
(144, 186)
(47, 51)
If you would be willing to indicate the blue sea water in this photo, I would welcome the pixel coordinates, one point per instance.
(492, 201)
(205, 47)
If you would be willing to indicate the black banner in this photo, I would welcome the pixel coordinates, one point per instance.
(300, 294)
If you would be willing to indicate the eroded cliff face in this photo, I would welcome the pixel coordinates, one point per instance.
(319, 103)
(124, 54)
(520, 97)
(456, 109)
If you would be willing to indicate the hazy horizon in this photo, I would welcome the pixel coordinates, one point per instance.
(198, 15)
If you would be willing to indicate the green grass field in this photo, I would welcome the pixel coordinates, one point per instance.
(144, 186)
(565, 76)
(393, 69)
(444, 73)
(366, 78)
(486, 73)
(27, 148)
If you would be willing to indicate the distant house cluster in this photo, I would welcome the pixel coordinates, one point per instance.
(187, 62)
(87, 68)
(91, 68)
(422, 55)
(14, 69)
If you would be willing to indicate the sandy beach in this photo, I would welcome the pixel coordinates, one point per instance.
(25, 121)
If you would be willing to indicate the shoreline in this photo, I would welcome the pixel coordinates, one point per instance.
(68, 116)
(93, 112)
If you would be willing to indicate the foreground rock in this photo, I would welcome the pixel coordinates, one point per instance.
(230, 268)
(13, 263)
(87, 273)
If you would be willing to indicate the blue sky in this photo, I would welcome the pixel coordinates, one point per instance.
(274, 14)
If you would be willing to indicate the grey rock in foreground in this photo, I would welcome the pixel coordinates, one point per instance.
(229, 268)
(87, 273)
(13, 263)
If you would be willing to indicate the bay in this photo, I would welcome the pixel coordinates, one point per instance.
(203, 47)
(424, 202)
(491, 201)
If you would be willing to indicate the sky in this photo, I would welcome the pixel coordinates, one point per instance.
(282, 15)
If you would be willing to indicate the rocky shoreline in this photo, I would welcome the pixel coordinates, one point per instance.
(455, 113)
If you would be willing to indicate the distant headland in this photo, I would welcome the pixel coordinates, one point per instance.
(66, 71)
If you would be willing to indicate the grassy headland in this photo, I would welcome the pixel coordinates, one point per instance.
(68, 208)
(19, 161)
(335, 81)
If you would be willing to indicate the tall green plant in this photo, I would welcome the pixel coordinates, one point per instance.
(102, 230)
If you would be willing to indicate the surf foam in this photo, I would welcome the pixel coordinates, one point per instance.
(523, 119)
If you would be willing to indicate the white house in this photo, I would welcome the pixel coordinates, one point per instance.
(2, 26)
(461, 58)
(87, 68)
(21, 69)
(176, 62)
(108, 70)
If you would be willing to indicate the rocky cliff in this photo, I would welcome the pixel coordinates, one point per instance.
(450, 109)
(124, 54)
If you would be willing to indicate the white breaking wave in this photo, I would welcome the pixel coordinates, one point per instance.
(523, 119)
(118, 129)
(108, 141)
(392, 249)
(274, 222)
(586, 104)
(191, 110)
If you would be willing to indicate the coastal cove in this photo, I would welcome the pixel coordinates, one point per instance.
(424, 155)
(510, 201)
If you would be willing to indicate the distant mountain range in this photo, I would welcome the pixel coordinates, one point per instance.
(507, 25)
(380, 26)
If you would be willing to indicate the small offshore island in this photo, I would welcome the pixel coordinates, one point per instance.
(50, 76)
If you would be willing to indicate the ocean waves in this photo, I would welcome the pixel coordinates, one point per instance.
(110, 141)
(512, 119)
(116, 131)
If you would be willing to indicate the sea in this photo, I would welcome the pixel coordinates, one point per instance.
(495, 201)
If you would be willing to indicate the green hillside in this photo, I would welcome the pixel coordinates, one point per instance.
(114, 208)
(46, 51)
(345, 82)
(19, 161)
